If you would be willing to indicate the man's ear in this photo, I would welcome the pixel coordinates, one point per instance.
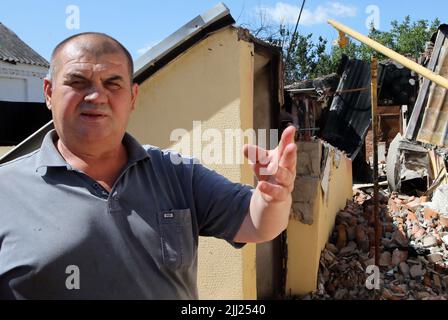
(48, 92)
(134, 90)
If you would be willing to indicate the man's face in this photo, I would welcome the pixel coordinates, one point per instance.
(91, 97)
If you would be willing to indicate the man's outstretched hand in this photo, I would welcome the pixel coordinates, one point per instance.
(275, 169)
(271, 201)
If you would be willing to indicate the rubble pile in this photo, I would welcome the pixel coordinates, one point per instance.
(413, 261)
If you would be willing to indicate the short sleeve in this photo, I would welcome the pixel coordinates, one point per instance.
(221, 205)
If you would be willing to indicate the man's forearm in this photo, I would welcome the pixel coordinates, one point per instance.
(269, 219)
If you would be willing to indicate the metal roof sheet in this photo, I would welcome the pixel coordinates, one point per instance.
(429, 120)
(182, 39)
(350, 114)
(434, 126)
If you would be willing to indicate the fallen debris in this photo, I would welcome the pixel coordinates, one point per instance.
(413, 263)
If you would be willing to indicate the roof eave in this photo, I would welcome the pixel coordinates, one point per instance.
(181, 40)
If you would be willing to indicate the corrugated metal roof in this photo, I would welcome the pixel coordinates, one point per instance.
(330, 81)
(350, 115)
(434, 126)
(178, 42)
(13, 49)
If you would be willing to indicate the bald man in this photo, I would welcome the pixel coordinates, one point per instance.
(93, 214)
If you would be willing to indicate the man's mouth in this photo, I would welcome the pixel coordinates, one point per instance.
(92, 115)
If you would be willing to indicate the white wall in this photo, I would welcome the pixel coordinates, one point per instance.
(21, 82)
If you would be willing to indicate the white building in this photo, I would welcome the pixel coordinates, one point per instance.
(21, 69)
(22, 107)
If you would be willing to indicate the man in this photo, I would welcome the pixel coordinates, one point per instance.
(93, 214)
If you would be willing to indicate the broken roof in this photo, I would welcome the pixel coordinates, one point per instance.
(328, 81)
(14, 50)
(181, 40)
(429, 118)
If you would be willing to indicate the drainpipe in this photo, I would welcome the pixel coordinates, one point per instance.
(373, 95)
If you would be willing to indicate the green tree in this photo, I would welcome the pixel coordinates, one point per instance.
(308, 59)
(407, 38)
(303, 57)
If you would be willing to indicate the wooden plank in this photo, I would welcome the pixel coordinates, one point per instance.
(389, 110)
(412, 130)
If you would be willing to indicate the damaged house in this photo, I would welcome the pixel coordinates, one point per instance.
(428, 124)
(413, 239)
(333, 116)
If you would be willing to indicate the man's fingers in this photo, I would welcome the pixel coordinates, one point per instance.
(285, 178)
(287, 138)
(259, 170)
(289, 157)
(256, 154)
(273, 192)
(283, 156)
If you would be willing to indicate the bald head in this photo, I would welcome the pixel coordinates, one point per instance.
(92, 43)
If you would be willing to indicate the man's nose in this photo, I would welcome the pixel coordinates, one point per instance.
(96, 95)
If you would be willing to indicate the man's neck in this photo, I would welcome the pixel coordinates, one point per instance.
(103, 165)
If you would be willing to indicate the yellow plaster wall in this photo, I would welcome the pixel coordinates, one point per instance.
(340, 190)
(305, 242)
(212, 82)
(4, 150)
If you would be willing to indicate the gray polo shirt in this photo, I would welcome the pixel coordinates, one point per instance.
(62, 236)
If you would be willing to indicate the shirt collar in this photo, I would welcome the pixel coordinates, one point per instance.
(49, 156)
(135, 150)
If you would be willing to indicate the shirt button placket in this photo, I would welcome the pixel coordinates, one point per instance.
(114, 202)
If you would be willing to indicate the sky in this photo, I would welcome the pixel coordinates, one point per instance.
(140, 24)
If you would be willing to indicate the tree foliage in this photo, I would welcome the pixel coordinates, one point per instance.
(306, 58)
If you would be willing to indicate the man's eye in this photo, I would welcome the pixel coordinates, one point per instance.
(77, 83)
(113, 85)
